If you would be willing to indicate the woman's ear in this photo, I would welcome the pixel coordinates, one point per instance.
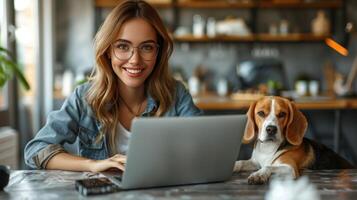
(250, 128)
(297, 125)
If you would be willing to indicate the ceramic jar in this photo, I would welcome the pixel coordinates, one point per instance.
(320, 25)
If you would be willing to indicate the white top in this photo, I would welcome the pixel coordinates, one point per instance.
(122, 139)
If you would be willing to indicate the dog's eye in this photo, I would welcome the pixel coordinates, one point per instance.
(281, 115)
(261, 114)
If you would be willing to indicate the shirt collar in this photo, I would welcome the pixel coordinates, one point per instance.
(151, 105)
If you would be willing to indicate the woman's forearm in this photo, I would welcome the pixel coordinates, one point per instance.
(66, 161)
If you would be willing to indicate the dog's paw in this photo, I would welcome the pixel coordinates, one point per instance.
(258, 178)
(238, 166)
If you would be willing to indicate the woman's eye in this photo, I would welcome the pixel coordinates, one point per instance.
(261, 114)
(281, 115)
(122, 47)
(147, 47)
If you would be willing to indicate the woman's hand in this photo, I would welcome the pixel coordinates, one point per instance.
(117, 161)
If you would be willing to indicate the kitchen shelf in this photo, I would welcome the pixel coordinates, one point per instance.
(192, 38)
(215, 4)
(113, 3)
(323, 4)
(292, 37)
(263, 37)
(254, 6)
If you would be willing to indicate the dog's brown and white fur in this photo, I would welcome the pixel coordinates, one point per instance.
(278, 129)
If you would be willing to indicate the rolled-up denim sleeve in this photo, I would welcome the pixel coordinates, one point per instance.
(184, 102)
(61, 127)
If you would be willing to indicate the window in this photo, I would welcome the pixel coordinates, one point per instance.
(25, 46)
(17, 25)
(5, 42)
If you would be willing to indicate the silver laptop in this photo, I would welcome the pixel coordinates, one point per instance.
(181, 150)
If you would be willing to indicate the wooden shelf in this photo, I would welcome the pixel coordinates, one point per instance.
(226, 103)
(296, 37)
(293, 37)
(113, 3)
(215, 4)
(227, 4)
(317, 4)
(191, 38)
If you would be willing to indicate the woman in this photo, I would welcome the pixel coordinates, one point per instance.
(131, 79)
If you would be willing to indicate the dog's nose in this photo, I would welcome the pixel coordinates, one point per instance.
(271, 130)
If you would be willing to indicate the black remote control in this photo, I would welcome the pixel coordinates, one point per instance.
(4, 176)
(95, 186)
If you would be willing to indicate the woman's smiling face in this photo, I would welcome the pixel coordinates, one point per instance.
(134, 65)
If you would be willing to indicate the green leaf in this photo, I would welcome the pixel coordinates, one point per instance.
(18, 74)
(5, 50)
(8, 67)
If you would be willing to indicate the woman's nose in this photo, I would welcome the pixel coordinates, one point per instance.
(135, 58)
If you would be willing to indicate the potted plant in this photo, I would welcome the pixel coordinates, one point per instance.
(9, 67)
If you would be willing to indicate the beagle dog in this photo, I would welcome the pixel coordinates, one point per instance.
(278, 129)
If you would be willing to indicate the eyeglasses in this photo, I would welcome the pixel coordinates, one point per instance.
(124, 50)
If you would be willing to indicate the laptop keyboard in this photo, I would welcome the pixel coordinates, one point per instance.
(118, 178)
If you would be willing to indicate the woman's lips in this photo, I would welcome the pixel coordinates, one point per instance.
(133, 72)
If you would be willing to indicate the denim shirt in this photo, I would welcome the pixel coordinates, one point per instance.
(76, 119)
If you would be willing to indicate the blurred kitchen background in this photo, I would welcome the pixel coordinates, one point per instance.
(225, 51)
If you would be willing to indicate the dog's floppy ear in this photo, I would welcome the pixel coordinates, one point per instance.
(297, 125)
(250, 128)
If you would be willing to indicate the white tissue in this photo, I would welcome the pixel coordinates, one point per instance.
(289, 189)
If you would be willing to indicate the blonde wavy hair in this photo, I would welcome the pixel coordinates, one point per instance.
(103, 95)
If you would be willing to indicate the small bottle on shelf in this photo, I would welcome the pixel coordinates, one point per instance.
(284, 27)
(211, 27)
(198, 26)
(320, 25)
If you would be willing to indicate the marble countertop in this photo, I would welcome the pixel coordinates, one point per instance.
(38, 184)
